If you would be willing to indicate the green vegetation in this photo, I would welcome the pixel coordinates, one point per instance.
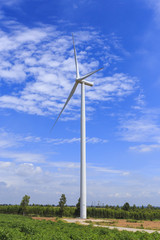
(137, 213)
(13, 227)
(126, 206)
(62, 204)
(124, 212)
(24, 203)
(133, 221)
(77, 210)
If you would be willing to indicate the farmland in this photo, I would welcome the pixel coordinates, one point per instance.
(14, 227)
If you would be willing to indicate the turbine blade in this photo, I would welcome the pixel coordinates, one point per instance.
(89, 74)
(69, 97)
(75, 57)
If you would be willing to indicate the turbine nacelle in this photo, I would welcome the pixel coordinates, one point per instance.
(85, 82)
(88, 83)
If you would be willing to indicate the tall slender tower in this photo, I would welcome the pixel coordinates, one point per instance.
(83, 82)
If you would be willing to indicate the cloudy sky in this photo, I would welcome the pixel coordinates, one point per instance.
(37, 72)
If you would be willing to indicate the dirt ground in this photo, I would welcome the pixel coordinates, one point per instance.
(45, 218)
(140, 224)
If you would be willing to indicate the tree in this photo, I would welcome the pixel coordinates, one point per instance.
(77, 211)
(126, 206)
(134, 207)
(24, 203)
(62, 204)
(117, 207)
(149, 206)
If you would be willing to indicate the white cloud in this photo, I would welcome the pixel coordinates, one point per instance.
(155, 5)
(5, 164)
(102, 170)
(96, 140)
(17, 175)
(9, 2)
(70, 165)
(22, 157)
(40, 62)
(28, 169)
(140, 129)
(107, 170)
(54, 178)
(145, 148)
(50, 179)
(117, 86)
(141, 125)
(139, 101)
(9, 139)
(120, 195)
(92, 140)
(14, 73)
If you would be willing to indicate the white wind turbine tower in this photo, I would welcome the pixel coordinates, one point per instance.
(83, 82)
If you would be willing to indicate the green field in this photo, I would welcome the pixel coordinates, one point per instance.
(20, 227)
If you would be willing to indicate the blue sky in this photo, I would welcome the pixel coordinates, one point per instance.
(37, 72)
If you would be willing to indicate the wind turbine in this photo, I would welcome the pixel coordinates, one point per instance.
(83, 82)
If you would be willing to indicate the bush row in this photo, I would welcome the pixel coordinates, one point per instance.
(50, 211)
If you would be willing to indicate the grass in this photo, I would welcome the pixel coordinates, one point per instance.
(15, 227)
